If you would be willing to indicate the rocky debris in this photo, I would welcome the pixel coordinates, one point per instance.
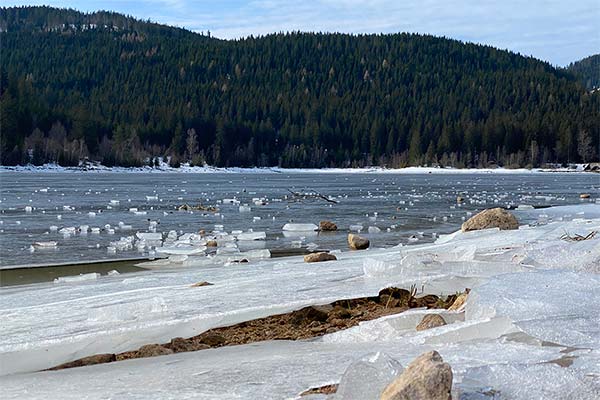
(426, 377)
(339, 312)
(584, 196)
(327, 226)
(327, 389)
(180, 345)
(491, 218)
(82, 362)
(394, 297)
(459, 303)
(212, 339)
(431, 321)
(429, 301)
(310, 314)
(152, 350)
(319, 257)
(200, 207)
(357, 243)
(306, 323)
(203, 283)
(211, 243)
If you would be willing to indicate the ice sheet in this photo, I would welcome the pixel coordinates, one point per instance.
(524, 311)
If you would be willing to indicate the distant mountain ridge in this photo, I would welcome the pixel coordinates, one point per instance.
(587, 70)
(122, 91)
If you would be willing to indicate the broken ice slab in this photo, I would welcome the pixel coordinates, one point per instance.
(290, 227)
(149, 236)
(231, 201)
(367, 377)
(183, 250)
(49, 244)
(355, 228)
(300, 234)
(77, 278)
(374, 229)
(246, 245)
(245, 208)
(252, 236)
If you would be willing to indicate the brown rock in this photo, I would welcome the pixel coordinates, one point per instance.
(327, 389)
(317, 329)
(180, 345)
(388, 301)
(152, 350)
(200, 284)
(429, 301)
(491, 218)
(339, 312)
(428, 377)
(394, 297)
(327, 226)
(431, 321)
(584, 196)
(459, 303)
(337, 322)
(82, 362)
(357, 243)
(309, 314)
(212, 339)
(318, 257)
(211, 243)
(459, 199)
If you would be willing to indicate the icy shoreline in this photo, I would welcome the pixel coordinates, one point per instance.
(533, 300)
(186, 169)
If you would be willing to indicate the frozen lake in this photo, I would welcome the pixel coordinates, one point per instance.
(401, 206)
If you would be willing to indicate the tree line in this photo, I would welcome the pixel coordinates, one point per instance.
(121, 91)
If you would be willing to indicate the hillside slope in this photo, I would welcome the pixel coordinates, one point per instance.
(121, 90)
(587, 71)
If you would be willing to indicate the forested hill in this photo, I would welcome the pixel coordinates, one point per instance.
(122, 91)
(588, 71)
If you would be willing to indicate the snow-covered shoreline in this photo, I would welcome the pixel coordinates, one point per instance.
(206, 169)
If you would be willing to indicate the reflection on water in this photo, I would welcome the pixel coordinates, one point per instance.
(24, 276)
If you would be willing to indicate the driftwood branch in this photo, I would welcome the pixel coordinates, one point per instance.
(311, 195)
(577, 237)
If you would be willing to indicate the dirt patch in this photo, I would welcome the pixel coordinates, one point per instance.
(306, 323)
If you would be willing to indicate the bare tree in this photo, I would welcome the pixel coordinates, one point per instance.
(584, 146)
(191, 144)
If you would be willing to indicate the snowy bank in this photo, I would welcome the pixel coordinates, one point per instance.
(206, 169)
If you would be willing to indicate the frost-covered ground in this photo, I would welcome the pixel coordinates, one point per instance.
(206, 169)
(534, 299)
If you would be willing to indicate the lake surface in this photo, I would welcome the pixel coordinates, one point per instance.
(407, 208)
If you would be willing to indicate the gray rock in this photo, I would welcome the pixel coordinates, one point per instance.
(431, 321)
(491, 218)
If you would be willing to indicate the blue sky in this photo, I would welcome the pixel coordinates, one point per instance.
(557, 31)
